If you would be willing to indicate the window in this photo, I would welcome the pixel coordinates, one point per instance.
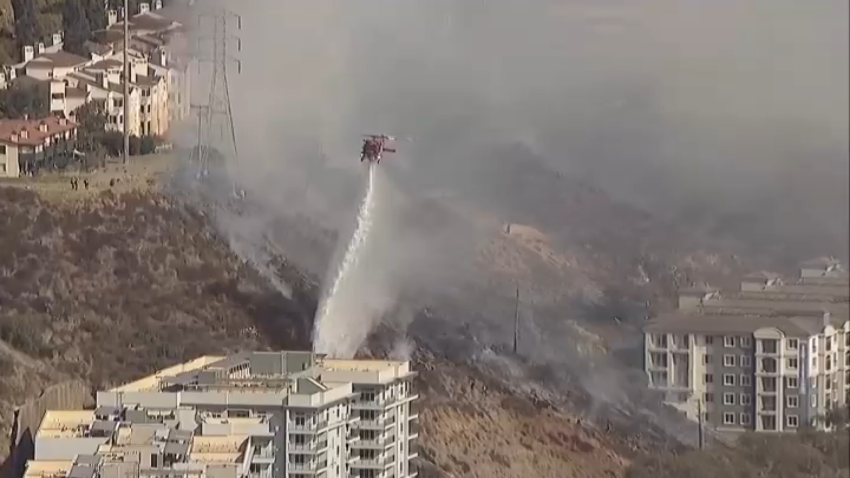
(708, 397)
(728, 360)
(814, 346)
(791, 382)
(729, 380)
(746, 399)
(728, 399)
(745, 361)
(3, 151)
(728, 418)
(793, 363)
(746, 342)
(746, 419)
(3, 168)
(792, 421)
(729, 341)
(706, 359)
(793, 344)
(746, 380)
(792, 401)
(768, 346)
(708, 378)
(709, 340)
(814, 362)
(829, 344)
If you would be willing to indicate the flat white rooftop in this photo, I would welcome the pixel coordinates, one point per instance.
(64, 423)
(48, 468)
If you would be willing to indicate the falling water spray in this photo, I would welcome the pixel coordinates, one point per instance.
(336, 332)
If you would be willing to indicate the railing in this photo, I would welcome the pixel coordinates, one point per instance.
(308, 427)
(264, 452)
(375, 442)
(306, 466)
(309, 446)
(370, 462)
(370, 405)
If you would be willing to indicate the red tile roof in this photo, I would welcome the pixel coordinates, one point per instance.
(10, 130)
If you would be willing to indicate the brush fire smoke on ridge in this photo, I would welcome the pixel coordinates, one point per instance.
(747, 126)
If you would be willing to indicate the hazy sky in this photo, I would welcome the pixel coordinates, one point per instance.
(726, 105)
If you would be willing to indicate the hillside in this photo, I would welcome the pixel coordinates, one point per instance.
(111, 283)
(109, 286)
(118, 285)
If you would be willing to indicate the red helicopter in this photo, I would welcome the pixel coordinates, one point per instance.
(374, 147)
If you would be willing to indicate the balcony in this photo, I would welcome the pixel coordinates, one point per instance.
(264, 452)
(370, 405)
(308, 427)
(375, 443)
(377, 462)
(375, 424)
(308, 447)
(307, 466)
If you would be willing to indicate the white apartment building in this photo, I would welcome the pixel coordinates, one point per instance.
(771, 357)
(322, 417)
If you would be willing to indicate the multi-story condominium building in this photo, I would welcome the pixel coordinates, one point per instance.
(771, 357)
(306, 415)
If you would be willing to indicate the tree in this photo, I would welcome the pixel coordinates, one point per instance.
(27, 30)
(76, 26)
(96, 14)
(20, 99)
(91, 121)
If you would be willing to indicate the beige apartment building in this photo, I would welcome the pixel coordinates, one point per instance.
(772, 356)
(249, 415)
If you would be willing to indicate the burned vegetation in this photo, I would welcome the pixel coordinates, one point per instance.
(119, 285)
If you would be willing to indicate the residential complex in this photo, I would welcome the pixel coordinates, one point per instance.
(25, 143)
(251, 415)
(773, 356)
(158, 74)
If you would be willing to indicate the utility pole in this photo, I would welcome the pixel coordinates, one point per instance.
(516, 321)
(701, 434)
(126, 81)
(218, 103)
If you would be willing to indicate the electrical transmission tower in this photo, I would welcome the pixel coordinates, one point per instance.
(215, 119)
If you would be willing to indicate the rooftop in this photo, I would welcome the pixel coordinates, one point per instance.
(48, 468)
(33, 132)
(65, 423)
(59, 59)
(151, 382)
(725, 323)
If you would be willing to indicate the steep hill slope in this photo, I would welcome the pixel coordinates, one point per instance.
(116, 286)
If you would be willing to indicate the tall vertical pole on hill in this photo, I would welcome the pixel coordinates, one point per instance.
(126, 81)
(701, 438)
(516, 321)
(218, 103)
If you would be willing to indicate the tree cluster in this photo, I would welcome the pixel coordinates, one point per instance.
(95, 141)
(79, 19)
(28, 28)
(23, 99)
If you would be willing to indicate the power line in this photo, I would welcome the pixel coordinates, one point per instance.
(218, 110)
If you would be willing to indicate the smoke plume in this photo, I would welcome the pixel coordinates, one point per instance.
(728, 116)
